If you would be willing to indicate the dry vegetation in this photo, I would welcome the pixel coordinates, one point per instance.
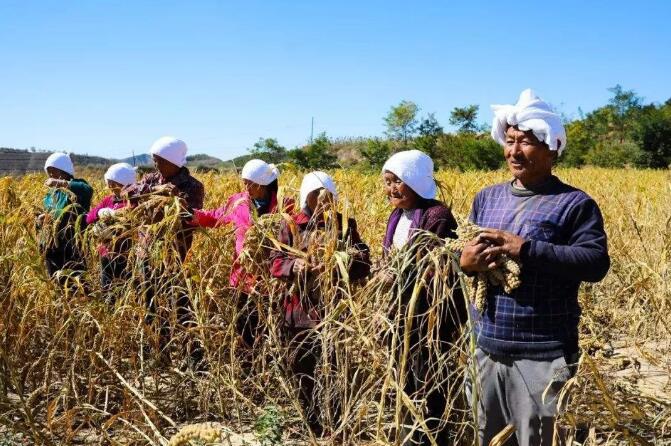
(74, 370)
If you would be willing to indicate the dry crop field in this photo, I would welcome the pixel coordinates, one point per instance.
(75, 370)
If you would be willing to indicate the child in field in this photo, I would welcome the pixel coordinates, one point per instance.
(113, 253)
(67, 200)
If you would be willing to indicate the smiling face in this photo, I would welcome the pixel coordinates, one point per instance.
(529, 160)
(400, 194)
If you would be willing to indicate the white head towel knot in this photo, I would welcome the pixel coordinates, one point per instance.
(122, 173)
(316, 180)
(170, 149)
(530, 113)
(260, 172)
(415, 169)
(60, 161)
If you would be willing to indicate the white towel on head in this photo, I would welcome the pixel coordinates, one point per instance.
(60, 161)
(122, 173)
(530, 113)
(260, 172)
(316, 180)
(414, 168)
(170, 149)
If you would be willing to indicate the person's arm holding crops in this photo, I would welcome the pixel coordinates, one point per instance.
(142, 187)
(584, 257)
(281, 263)
(360, 266)
(212, 218)
(92, 215)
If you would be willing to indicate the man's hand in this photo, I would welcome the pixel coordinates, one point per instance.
(474, 257)
(53, 182)
(502, 242)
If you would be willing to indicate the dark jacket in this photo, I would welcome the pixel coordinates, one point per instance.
(190, 189)
(302, 310)
(430, 216)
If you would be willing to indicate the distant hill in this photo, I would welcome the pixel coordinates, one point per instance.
(18, 161)
(138, 160)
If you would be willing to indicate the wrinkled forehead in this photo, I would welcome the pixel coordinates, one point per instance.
(513, 131)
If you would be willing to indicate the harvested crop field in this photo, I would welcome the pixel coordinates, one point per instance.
(77, 370)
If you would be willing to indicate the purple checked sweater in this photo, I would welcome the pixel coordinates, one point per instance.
(566, 245)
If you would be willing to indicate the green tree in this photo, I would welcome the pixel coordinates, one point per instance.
(401, 121)
(614, 154)
(269, 150)
(465, 118)
(653, 136)
(376, 152)
(317, 155)
(625, 105)
(429, 132)
(580, 142)
(467, 151)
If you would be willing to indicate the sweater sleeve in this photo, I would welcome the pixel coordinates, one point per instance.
(584, 257)
(92, 215)
(209, 218)
(360, 266)
(281, 263)
(442, 223)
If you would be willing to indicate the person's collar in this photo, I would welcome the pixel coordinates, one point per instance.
(526, 191)
(181, 176)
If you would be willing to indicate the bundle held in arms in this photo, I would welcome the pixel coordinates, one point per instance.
(505, 275)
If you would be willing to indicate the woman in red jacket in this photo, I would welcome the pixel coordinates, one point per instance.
(258, 198)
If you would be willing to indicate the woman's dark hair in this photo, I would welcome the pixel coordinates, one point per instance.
(273, 187)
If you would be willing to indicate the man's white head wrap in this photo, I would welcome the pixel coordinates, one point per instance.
(260, 172)
(316, 180)
(122, 173)
(530, 113)
(60, 161)
(170, 149)
(415, 169)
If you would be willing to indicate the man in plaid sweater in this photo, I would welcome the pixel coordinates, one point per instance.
(528, 339)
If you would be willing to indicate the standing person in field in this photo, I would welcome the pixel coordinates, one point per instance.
(67, 200)
(527, 341)
(259, 198)
(113, 253)
(411, 190)
(303, 304)
(172, 177)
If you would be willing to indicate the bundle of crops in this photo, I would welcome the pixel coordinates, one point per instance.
(254, 255)
(8, 198)
(506, 274)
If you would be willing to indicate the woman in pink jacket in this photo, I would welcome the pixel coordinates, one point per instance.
(112, 255)
(258, 198)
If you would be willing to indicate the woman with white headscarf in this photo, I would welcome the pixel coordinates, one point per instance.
(258, 198)
(67, 200)
(411, 190)
(112, 252)
(316, 223)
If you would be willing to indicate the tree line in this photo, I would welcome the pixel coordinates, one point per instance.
(626, 132)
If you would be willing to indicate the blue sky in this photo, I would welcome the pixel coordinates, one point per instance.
(106, 78)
